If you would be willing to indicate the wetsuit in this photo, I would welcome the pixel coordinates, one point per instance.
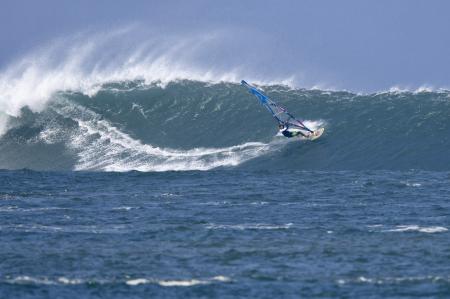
(289, 134)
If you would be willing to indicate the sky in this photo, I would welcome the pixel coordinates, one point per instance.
(357, 45)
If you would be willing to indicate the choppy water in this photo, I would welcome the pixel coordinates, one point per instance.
(224, 233)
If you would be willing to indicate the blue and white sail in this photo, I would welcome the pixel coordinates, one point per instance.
(282, 116)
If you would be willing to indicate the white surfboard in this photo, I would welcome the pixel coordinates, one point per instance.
(316, 134)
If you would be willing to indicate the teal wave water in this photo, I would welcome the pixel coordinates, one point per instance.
(193, 125)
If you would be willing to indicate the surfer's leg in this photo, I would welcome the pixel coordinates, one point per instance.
(287, 134)
(296, 133)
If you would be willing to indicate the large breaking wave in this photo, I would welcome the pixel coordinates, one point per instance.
(106, 102)
(194, 125)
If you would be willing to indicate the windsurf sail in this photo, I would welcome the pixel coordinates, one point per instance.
(281, 115)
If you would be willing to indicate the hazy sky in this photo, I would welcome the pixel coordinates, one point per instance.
(357, 45)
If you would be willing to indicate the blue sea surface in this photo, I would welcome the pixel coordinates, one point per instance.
(225, 234)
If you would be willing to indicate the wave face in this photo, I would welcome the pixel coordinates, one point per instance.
(192, 125)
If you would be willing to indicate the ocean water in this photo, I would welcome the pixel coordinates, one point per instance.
(203, 234)
(183, 190)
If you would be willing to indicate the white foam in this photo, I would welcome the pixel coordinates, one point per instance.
(409, 184)
(168, 194)
(221, 278)
(397, 89)
(315, 124)
(375, 225)
(365, 279)
(140, 109)
(259, 203)
(30, 280)
(87, 229)
(124, 208)
(138, 281)
(9, 208)
(392, 280)
(422, 229)
(102, 146)
(65, 280)
(181, 283)
(17, 209)
(258, 226)
(52, 133)
(4, 119)
(177, 283)
(24, 279)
